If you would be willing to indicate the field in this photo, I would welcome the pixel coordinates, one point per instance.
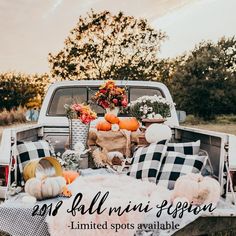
(222, 123)
(225, 128)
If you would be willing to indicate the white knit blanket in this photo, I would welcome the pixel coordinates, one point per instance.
(123, 190)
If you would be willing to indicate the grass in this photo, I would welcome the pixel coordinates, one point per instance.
(223, 123)
(227, 128)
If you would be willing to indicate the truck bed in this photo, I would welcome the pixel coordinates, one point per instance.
(213, 142)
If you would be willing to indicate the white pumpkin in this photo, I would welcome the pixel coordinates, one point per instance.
(158, 132)
(181, 200)
(45, 188)
(33, 187)
(197, 189)
(212, 188)
(186, 186)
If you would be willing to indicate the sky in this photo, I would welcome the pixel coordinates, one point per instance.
(30, 29)
(202, 20)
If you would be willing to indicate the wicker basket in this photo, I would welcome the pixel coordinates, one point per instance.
(46, 166)
(78, 132)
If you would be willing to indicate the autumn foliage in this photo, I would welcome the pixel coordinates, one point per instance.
(105, 46)
(18, 89)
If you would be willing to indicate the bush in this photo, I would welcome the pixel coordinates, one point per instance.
(204, 81)
(12, 116)
(225, 119)
(221, 119)
(18, 89)
(193, 120)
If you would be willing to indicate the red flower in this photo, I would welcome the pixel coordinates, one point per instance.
(115, 101)
(103, 91)
(124, 103)
(104, 104)
(76, 107)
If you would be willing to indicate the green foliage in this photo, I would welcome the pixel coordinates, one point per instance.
(18, 89)
(106, 46)
(204, 82)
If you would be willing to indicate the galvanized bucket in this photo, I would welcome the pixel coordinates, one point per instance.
(78, 132)
(43, 167)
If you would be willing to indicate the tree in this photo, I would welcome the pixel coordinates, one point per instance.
(104, 46)
(204, 83)
(18, 89)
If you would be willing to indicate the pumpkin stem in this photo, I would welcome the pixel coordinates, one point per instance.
(66, 192)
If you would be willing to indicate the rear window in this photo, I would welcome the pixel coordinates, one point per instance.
(64, 96)
(135, 93)
(72, 95)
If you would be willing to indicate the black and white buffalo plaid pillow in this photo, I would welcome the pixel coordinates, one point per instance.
(27, 151)
(190, 148)
(146, 161)
(175, 164)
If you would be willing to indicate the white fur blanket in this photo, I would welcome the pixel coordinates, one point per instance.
(122, 191)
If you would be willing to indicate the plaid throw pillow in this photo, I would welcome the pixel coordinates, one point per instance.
(31, 150)
(190, 148)
(145, 164)
(175, 164)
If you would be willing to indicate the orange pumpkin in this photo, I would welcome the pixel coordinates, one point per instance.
(130, 124)
(111, 118)
(103, 126)
(70, 176)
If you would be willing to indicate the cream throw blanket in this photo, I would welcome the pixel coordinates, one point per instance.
(122, 190)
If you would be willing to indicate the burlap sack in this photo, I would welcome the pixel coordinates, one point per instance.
(112, 141)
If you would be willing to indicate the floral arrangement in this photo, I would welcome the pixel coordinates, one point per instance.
(71, 159)
(80, 111)
(110, 96)
(150, 107)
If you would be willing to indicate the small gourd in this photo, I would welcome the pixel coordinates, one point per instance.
(115, 127)
(103, 126)
(130, 124)
(45, 188)
(70, 176)
(111, 118)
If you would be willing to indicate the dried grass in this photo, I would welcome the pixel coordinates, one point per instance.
(12, 116)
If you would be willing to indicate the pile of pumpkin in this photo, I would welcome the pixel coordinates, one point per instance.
(43, 183)
(114, 123)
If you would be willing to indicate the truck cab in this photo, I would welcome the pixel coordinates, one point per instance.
(67, 92)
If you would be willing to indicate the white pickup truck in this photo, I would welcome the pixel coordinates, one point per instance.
(53, 125)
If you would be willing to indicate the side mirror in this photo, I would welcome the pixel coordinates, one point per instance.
(181, 116)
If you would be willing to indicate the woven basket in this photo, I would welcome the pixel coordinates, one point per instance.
(78, 132)
(42, 167)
